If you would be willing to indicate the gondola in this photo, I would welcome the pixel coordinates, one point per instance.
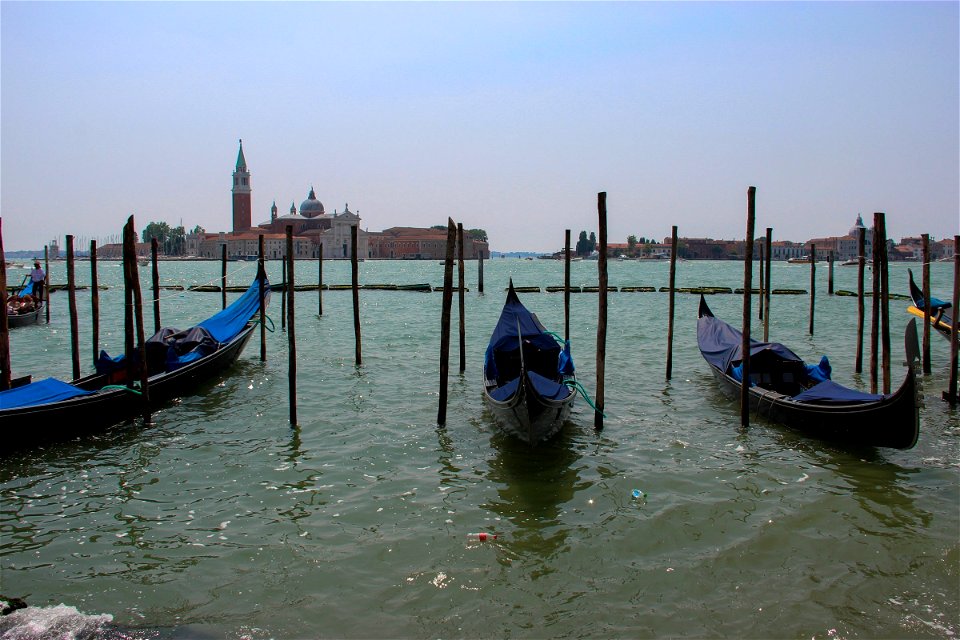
(178, 363)
(786, 390)
(940, 320)
(528, 375)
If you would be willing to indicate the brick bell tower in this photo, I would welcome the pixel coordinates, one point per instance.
(242, 209)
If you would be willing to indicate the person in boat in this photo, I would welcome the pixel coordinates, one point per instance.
(37, 277)
(13, 304)
(27, 303)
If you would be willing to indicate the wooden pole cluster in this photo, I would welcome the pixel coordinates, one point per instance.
(950, 395)
(747, 296)
(673, 283)
(355, 280)
(445, 321)
(813, 282)
(94, 300)
(5, 376)
(72, 301)
(769, 285)
(156, 284)
(291, 332)
(861, 264)
(926, 302)
(133, 319)
(880, 325)
(602, 312)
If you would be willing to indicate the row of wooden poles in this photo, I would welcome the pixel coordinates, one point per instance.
(133, 315)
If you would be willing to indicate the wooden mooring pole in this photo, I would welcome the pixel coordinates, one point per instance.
(950, 395)
(291, 331)
(761, 296)
(262, 277)
(926, 302)
(769, 285)
(830, 272)
(602, 311)
(461, 285)
(223, 276)
(155, 272)
(566, 285)
(813, 283)
(861, 264)
(884, 304)
(46, 281)
(875, 307)
(94, 301)
(136, 301)
(355, 282)
(480, 272)
(283, 294)
(320, 282)
(747, 298)
(673, 287)
(5, 376)
(445, 321)
(72, 302)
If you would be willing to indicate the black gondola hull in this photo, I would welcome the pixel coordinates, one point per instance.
(528, 415)
(57, 421)
(24, 319)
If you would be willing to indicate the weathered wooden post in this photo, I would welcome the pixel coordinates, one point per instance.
(813, 282)
(223, 276)
(461, 285)
(445, 321)
(283, 294)
(769, 285)
(156, 284)
(72, 301)
(861, 264)
(46, 281)
(926, 302)
(760, 313)
(950, 395)
(875, 307)
(830, 273)
(673, 282)
(480, 272)
(602, 312)
(884, 304)
(136, 301)
(355, 280)
(262, 278)
(5, 376)
(566, 285)
(94, 300)
(747, 298)
(291, 332)
(320, 282)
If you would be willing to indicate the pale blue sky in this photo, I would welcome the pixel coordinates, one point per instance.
(506, 116)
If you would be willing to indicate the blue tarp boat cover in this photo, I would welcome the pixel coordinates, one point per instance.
(829, 392)
(38, 393)
(721, 345)
(547, 388)
(171, 348)
(513, 318)
(505, 391)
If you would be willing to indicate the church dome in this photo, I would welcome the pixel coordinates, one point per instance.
(311, 207)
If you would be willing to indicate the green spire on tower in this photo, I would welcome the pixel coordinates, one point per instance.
(241, 161)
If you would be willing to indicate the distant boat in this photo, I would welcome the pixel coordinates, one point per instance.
(800, 260)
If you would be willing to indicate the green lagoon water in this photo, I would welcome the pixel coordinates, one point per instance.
(222, 521)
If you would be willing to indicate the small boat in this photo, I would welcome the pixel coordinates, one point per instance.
(940, 320)
(800, 260)
(528, 375)
(25, 318)
(854, 262)
(179, 362)
(803, 397)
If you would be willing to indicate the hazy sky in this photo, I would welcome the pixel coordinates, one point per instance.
(504, 116)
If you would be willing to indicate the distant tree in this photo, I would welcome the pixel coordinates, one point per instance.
(158, 230)
(439, 226)
(593, 242)
(476, 234)
(176, 242)
(583, 245)
(198, 229)
(631, 244)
